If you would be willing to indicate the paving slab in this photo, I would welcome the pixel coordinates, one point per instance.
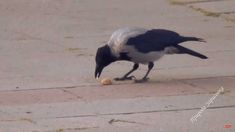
(99, 113)
(67, 38)
(109, 107)
(117, 91)
(135, 122)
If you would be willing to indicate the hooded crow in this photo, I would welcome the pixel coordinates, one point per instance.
(141, 46)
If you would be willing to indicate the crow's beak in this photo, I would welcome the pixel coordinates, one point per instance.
(98, 71)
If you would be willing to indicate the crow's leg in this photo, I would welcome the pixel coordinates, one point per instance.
(145, 78)
(125, 77)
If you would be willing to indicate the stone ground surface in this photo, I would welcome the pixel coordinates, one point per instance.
(47, 50)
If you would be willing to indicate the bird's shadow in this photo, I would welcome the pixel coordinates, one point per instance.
(150, 81)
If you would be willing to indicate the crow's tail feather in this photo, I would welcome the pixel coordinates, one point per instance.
(184, 50)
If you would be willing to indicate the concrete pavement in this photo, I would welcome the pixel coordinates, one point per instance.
(47, 64)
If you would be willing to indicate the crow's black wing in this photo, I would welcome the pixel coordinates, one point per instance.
(154, 40)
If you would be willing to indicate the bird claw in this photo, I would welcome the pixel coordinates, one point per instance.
(125, 78)
(142, 80)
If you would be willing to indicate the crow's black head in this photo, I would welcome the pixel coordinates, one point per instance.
(103, 58)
